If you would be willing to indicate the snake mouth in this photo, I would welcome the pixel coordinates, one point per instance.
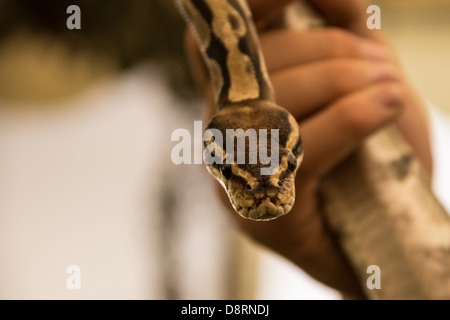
(266, 209)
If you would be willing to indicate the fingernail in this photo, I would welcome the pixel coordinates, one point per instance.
(374, 51)
(382, 72)
(389, 96)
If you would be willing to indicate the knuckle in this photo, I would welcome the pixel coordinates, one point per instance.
(351, 120)
(342, 43)
(358, 121)
(396, 92)
(341, 76)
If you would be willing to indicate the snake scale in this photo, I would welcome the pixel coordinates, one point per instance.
(378, 201)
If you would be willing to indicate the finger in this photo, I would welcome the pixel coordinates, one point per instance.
(331, 135)
(318, 44)
(348, 14)
(306, 89)
(264, 11)
(414, 126)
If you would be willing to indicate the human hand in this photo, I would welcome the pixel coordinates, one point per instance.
(342, 83)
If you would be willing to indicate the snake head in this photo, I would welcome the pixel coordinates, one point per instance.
(256, 165)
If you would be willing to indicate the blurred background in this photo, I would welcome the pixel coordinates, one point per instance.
(86, 177)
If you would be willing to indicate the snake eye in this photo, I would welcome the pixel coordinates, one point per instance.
(226, 171)
(292, 163)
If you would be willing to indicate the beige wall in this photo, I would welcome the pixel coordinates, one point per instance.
(420, 31)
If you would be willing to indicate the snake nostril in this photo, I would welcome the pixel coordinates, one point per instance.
(259, 195)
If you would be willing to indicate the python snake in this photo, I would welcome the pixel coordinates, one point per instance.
(378, 201)
(245, 102)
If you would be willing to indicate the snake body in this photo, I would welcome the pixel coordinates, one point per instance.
(245, 103)
(378, 201)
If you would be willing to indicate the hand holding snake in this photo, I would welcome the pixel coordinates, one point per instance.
(341, 85)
